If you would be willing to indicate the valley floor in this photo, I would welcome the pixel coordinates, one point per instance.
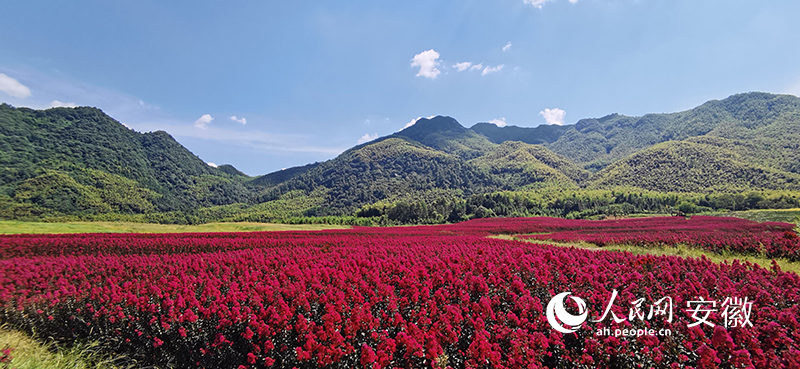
(474, 243)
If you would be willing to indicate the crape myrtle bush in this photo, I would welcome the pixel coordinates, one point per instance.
(383, 297)
(717, 234)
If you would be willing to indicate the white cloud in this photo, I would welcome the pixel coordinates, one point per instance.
(469, 66)
(539, 3)
(508, 46)
(462, 66)
(13, 87)
(488, 70)
(367, 138)
(414, 121)
(499, 122)
(536, 3)
(426, 61)
(59, 104)
(241, 120)
(210, 164)
(203, 121)
(553, 116)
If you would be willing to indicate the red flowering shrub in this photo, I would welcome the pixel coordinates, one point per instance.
(715, 234)
(5, 357)
(384, 297)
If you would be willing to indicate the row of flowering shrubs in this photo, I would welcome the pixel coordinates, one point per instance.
(412, 297)
(712, 233)
(717, 234)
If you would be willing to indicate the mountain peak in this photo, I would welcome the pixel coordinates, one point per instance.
(439, 123)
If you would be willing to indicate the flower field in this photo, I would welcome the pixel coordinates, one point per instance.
(716, 234)
(411, 297)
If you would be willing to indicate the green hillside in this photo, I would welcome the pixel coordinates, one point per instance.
(683, 166)
(768, 152)
(423, 161)
(276, 178)
(79, 160)
(231, 170)
(595, 143)
(447, 135)
(387, 168)
(739, 153)
(518, 164)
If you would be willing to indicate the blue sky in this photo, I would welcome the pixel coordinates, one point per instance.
(312, 79)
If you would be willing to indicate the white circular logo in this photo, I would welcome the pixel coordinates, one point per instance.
(555, 309)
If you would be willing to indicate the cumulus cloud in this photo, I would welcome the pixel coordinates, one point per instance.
(426, 61)
(462, 66)
(367, 138)
(203, 121)
(499, 122)
(508, 46)
(414, 121)
(476, 67)
(539, 3)
(241, 120)
(210, 164)
(553, 116)
(13, 87)
(59, 104)
(488, 70)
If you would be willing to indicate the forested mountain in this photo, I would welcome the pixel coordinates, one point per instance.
(231, 170)
(542, 134)
(768, 118)
(519, 164)
(747, 142)
(684, 166)
(447, 135)
(281, 176)
(384, 169)
(79, 161)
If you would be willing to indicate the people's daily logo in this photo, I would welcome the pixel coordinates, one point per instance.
(735, 311)
(558, 316)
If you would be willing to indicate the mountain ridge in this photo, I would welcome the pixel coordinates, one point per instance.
(84, 149)
(80, 161)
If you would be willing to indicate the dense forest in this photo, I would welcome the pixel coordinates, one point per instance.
(81, 161)
(739, 153)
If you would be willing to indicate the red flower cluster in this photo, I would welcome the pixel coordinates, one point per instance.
(5, 357)
(440, 296)
(717, 234)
